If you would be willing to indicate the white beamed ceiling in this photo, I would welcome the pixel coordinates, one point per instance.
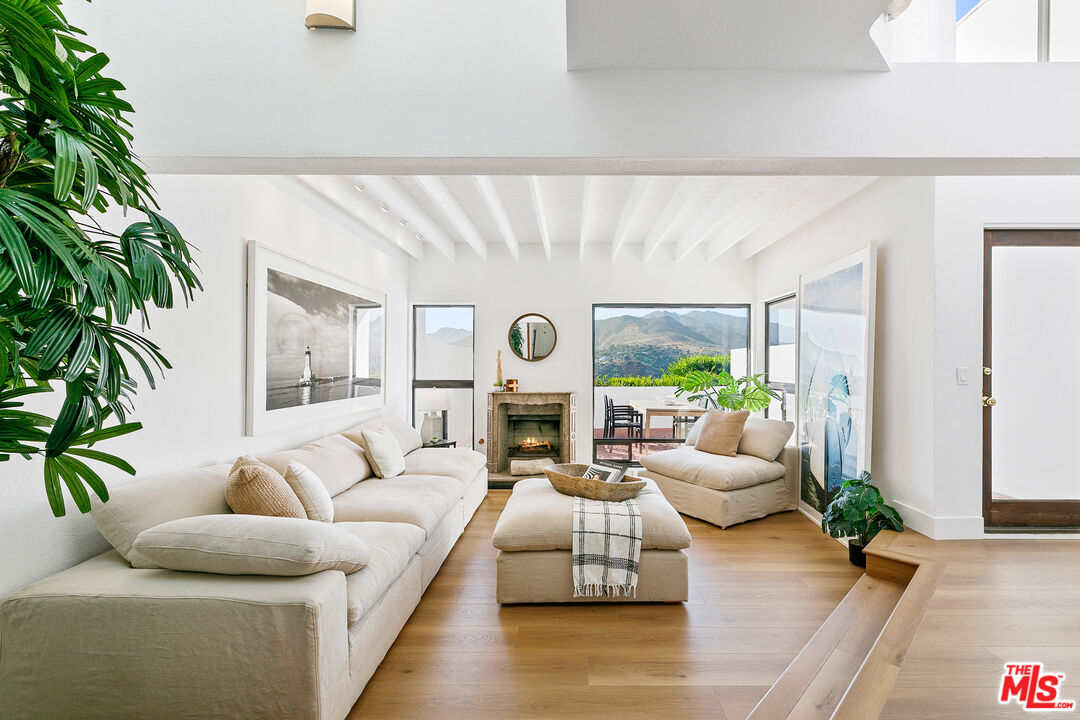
(689, 218)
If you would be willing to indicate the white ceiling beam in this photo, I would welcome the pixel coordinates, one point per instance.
(729, 200)
(779, 199)
(676, 210)
(631, 210)
(587, 208)
(403, 204)
(824, 196)
(541, 214)
(335, 197)
(436, 190)
(498, 213)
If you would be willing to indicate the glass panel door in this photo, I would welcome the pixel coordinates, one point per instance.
(1031, 409)
(443, 373)
(780, 355)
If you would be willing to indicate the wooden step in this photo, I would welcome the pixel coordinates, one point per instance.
(815, 681)
(847, 669)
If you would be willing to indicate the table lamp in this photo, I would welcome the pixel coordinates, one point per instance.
(434, 403)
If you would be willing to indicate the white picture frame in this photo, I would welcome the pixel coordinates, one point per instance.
(275, 404)
(835, 337)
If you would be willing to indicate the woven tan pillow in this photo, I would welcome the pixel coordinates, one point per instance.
(254, 488)
(721, 432)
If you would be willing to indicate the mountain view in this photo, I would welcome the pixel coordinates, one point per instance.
(631, 345)
(452, 336)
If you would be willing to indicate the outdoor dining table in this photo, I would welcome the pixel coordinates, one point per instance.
(656, 408)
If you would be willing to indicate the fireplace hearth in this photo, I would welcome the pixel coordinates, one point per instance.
(529, 425)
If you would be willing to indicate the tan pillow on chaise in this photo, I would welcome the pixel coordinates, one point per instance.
(254, 488)
(721, 431)
(765, 438)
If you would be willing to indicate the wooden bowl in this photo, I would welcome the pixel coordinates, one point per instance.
(567, 479)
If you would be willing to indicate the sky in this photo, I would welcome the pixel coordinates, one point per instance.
(460, 317)
(962, 7)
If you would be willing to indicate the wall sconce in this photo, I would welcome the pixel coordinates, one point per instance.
(330, 14)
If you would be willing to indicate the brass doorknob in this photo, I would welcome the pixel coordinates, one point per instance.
(987, 371)
(988, 401)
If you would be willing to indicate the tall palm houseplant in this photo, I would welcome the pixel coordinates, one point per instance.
(69, 286)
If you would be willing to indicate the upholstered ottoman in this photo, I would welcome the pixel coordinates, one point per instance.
(533, 536)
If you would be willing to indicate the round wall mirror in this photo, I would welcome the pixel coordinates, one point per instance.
(531, 337)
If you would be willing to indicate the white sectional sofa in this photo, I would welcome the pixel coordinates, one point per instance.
(117, 637)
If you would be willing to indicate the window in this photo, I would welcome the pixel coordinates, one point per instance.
(640, 354)
(780, 359)
(1017, 30)
(443, 373)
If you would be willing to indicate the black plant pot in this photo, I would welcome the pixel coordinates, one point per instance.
(855, 554)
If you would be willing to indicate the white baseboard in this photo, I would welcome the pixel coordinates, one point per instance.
(958, 527)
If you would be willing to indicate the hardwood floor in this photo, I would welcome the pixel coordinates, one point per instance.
(998, 600)
(758, 592)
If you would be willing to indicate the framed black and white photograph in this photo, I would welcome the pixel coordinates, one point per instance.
(316, 343)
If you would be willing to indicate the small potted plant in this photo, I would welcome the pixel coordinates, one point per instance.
(858, 512)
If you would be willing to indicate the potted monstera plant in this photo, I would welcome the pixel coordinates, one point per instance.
(858, 512)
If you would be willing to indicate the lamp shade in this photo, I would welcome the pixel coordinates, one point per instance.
(433, 400)
(332, 14)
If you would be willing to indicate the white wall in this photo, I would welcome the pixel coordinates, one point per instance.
(196, 416)
(897, 215)
(564, 290)
(487, 79)
(964, 208)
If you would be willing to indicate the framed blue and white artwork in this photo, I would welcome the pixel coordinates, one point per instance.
(836, 373)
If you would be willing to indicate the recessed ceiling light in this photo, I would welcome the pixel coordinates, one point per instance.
(419, 236)
(359, 186)
(385, 208)
(403, 222)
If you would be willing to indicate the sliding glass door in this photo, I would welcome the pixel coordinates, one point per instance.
(443, 374)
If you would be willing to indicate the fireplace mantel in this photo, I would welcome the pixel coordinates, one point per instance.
(501, 405)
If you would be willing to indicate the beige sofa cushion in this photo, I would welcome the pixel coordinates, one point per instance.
(143, 504)
(252, 545)
(765, 438)
(392, 546)
(718, 472)
(383, 451)
(310, 490)
(720, 432)
(537, 517)
(459, 463)
(421, 500)
(338, 462)
(255, 488)
(405, 434)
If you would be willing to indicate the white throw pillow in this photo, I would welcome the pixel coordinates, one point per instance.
(312, 493)
(765, 438)
(252, 545)
(383, 451)
(695, 431)
(406, 435)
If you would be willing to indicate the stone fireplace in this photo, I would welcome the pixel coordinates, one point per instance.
(529, 425)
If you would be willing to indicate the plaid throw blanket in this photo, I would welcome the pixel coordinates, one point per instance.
(606, 548)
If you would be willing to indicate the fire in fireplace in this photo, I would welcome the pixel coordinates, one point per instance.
(533, 434)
